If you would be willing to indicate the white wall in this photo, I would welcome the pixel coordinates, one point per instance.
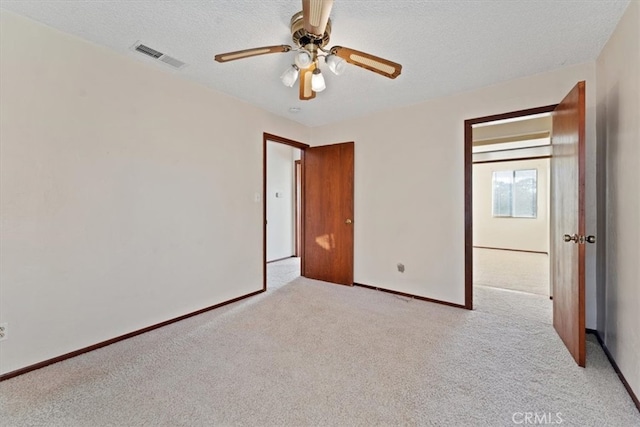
(409, 183)
(529, 234)
(280, 210)
(618, 72)
(127, 193)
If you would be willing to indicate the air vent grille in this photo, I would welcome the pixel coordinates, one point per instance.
(148, 51)
(169, 60)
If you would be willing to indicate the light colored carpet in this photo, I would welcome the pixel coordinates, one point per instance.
(312, 353)
(281, 272)
(518, 271)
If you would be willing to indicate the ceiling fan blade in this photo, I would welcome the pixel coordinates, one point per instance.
(370, 62)
(316, 15)
(240, 54)
(306, 93)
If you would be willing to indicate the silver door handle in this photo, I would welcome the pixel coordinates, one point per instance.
(579, 239)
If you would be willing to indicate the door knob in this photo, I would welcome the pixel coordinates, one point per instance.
(348, 221)
(579, 239)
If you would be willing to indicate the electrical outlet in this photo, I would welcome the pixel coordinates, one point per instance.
(4, 331)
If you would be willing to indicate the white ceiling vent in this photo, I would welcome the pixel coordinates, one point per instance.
(169, 60)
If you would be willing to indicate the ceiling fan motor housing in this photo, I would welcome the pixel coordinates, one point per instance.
(302, 38)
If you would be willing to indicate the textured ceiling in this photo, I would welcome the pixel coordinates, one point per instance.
(444, 46)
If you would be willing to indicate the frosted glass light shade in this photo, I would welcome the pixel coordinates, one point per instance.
(303, 59)
(290, 76)
(336, 64)
(317, 81)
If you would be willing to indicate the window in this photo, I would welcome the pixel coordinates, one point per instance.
(515, 193)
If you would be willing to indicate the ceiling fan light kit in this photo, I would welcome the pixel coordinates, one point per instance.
(336, 64)
(290, 75)
(310, 32)
(303, 59)
(317, 81)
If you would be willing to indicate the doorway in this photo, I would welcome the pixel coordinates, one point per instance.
(486, 158)
(282, 195)
(567, 214)
(325, 209)
(511, 195)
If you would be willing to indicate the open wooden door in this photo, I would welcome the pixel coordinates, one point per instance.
(568, 221)
(328, 213)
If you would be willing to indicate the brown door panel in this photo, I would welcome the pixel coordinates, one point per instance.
(568, 217)
(328, 209)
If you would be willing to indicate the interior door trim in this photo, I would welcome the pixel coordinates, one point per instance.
(468, 188)
(297, 207)
(266, 137)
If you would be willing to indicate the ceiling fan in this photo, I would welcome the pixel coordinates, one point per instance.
(310, 31)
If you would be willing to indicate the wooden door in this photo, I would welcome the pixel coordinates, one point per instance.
(568, 218)
(328, 213)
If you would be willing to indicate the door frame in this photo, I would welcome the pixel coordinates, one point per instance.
(468, 189)
(267, 137)
(297, 207)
